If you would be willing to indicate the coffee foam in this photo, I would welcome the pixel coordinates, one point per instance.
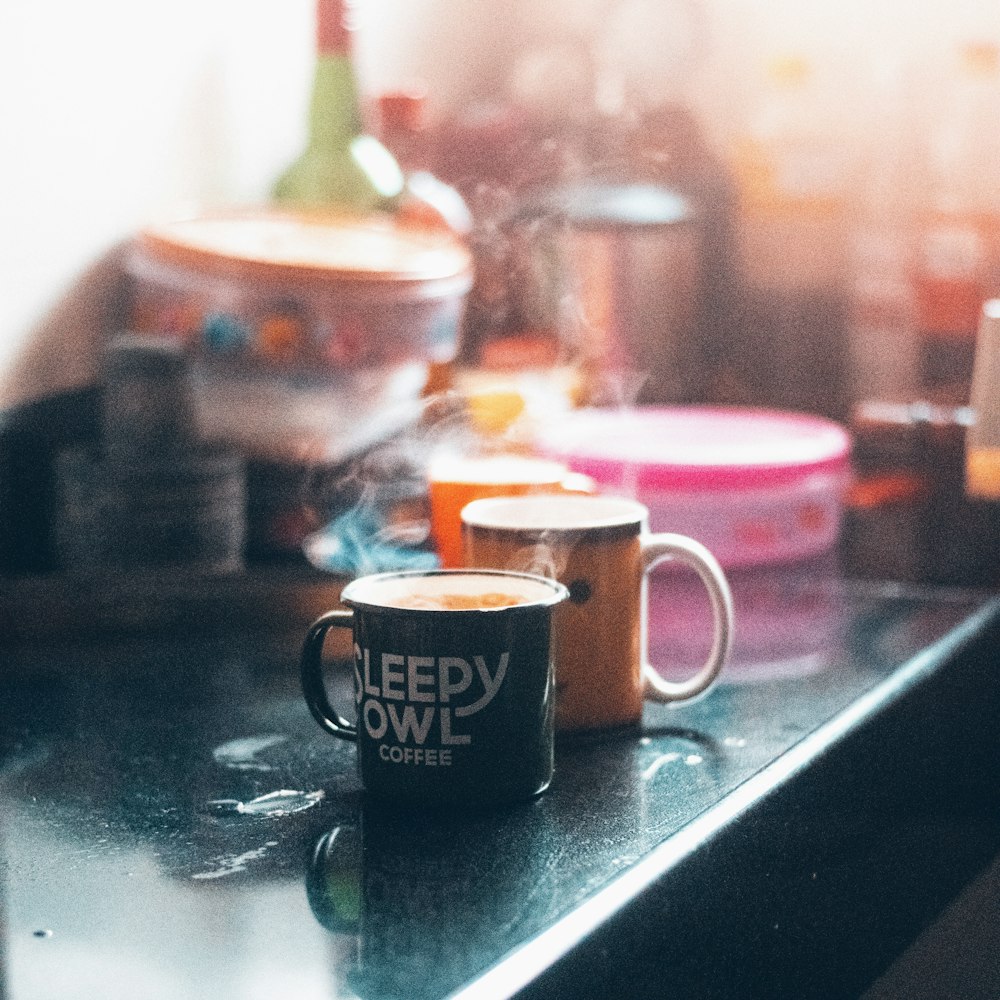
(553, 514)
(399, 591)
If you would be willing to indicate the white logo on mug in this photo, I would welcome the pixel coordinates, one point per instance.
(426, 687)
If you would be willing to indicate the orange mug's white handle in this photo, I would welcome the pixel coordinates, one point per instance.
(657, 548)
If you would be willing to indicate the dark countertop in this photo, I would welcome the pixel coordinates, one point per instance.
(787, 834)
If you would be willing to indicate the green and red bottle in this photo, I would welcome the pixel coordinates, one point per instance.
(342, 167)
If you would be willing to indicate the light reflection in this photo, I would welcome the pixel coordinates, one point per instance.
(378, 164)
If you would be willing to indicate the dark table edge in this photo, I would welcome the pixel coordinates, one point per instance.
(522, 967)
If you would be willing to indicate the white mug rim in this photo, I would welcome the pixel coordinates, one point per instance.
(363, 592)
(620, 514)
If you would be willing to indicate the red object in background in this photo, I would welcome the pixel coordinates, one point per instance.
(517, 352)
(402, 112)
(948, 307)
(333, 29)
(908, 515)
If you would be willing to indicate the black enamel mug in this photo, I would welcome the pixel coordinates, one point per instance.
(453, 684)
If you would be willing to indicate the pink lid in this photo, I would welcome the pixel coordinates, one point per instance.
(692, 448)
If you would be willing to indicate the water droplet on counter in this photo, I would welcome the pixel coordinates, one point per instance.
(694, 759)
(281, 803)
(223, 806)
(231, 865)
(46, 933)
(661, 761)
(240, 754)
(273, 804)
(735, 741)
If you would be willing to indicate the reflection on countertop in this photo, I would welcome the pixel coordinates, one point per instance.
(172, 812)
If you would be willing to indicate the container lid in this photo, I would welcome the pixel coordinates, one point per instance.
(692, 448)
(288, 246)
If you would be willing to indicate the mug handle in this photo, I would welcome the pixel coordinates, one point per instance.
(311, 667)
(657, 548)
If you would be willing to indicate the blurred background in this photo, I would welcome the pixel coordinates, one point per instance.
(115, 113)
(791, 204)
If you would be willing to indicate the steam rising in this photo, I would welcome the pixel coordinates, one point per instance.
(523, 283)
(384, 522)
(543, 558)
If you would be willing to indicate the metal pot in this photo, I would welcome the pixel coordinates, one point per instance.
(624, 268)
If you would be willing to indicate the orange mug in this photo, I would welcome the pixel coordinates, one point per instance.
(601, 550)
(454, 481)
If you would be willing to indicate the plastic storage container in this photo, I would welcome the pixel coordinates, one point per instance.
(755, 486)
(300, 328)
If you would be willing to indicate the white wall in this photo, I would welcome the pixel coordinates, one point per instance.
(115, 111)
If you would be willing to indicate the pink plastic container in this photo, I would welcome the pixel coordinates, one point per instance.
(755, 486)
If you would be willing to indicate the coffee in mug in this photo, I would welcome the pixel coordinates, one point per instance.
(601, 549)
(453, 684)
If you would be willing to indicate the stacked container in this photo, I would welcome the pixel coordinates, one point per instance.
(150, 493)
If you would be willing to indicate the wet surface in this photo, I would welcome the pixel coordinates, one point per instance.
(174, 824)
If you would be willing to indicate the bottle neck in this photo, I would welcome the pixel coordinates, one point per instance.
(333, 30)
(334, 112)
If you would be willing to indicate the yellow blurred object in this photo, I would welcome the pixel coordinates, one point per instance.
(982, 441)
(980, 57)
(982, 473)
(788, 70)
(508, 404)
(495, 412)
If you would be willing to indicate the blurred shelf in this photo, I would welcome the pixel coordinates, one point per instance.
(58, 607)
